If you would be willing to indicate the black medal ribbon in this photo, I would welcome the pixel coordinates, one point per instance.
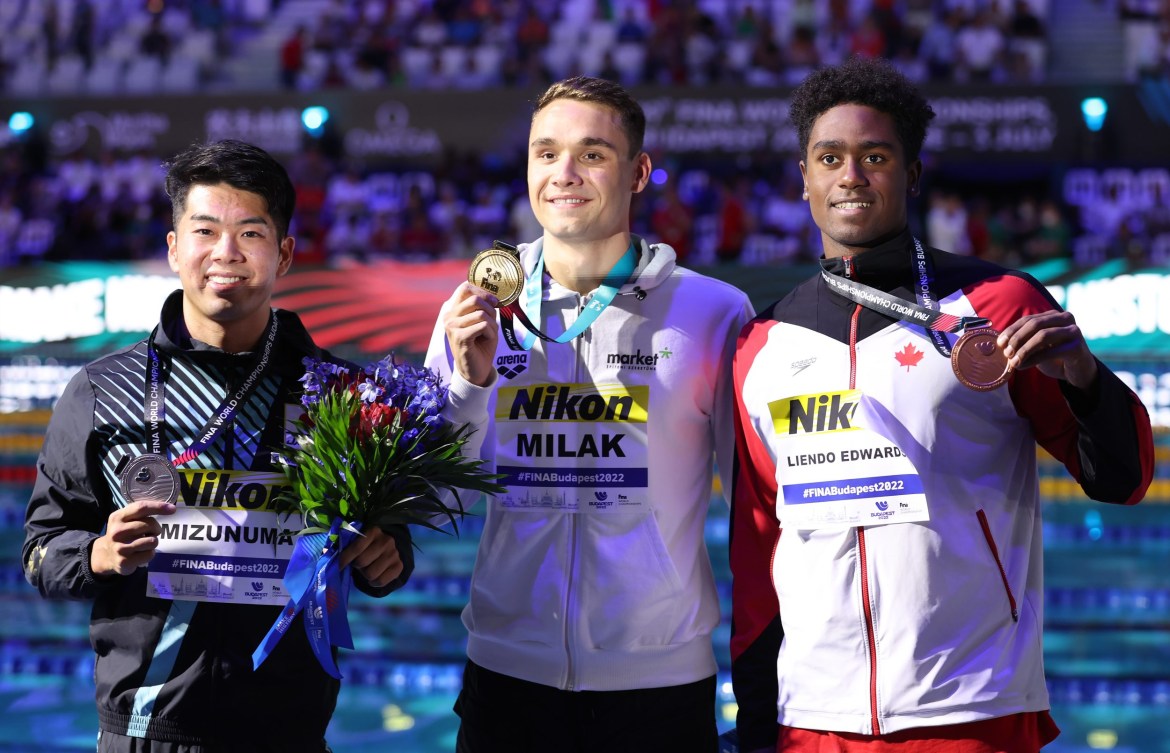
(925, 313)
(152, 474)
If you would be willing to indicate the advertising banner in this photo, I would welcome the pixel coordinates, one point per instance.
(996, 123)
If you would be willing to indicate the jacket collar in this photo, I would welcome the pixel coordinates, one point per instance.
(171, 336)
(655, 264)
(885, 266)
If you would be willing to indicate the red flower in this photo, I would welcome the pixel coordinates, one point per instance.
(373, 416)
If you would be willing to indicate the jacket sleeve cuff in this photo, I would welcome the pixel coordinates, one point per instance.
(467, 403)
(88, 579)
(1084, 403)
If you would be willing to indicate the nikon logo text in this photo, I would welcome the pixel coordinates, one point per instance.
(815, 414)
(573, 402)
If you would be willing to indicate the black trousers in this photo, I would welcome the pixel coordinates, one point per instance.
(503, 714)
(109, 742)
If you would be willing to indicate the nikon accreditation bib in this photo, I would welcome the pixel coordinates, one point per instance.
(224, 542)
(574, 447)
(833, 471)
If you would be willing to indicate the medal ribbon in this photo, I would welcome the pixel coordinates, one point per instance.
(617, 276)
(320, 587)
(925, 313)
(155, 410)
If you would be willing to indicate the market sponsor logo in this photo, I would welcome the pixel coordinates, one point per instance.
(815, 414)
(637, 361)
(512, 366)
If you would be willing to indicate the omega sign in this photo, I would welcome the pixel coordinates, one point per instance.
(115, 130)
(392, 135)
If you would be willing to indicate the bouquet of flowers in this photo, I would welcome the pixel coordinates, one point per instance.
(371, 449)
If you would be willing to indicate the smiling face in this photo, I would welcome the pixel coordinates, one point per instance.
(856, 178)
(581, 177)
(226, 252)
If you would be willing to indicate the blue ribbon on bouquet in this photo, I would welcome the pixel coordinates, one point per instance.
(320, 587)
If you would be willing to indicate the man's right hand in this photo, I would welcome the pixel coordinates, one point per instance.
(472, 332)
(130, 539)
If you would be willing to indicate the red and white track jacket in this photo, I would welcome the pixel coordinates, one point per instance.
(875, 629)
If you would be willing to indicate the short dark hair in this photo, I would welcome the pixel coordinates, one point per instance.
(870, 82)
(600, 91)
(239, 165)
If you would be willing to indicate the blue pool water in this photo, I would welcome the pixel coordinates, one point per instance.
(1107, 638)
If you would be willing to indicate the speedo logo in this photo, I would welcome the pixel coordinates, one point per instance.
(230, 490)
(637, 360)
(573, 402)
(815, 414)
(801, 365)
(512, 366)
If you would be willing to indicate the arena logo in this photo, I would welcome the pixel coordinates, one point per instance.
(117, 131)
(512, 366)
(274, 130)
(392, 135)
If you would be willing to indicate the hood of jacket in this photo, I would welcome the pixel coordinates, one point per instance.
(656, 261)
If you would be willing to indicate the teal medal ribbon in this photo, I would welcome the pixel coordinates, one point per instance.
(318, 586)
(530, 311)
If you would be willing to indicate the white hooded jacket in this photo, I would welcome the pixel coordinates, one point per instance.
(592, 571)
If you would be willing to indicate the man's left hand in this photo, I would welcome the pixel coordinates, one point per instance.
(375, 555)
(1052, 342)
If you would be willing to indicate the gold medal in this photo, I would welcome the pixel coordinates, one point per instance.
(978, 361)
(499, 272)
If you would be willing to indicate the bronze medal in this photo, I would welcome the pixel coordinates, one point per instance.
(978, 361)
(150, 477)
(499, 272)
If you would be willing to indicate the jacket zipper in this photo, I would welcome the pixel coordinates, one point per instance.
(870, 641)
(570, 612)
(570, 616)
(1007, 588)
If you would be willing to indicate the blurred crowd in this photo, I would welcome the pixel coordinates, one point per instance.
(752, 213)
(1146, 27)
(111, 206)
(765, 43)
(138, 46)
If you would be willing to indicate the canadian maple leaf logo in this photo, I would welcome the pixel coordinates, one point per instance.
(908, 356)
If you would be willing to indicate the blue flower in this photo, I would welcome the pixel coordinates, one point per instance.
(370, 391)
